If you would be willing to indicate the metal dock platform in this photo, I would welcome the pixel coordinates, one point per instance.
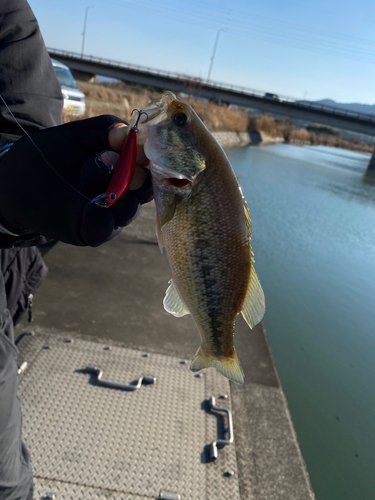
(145, 431)
(114, 295)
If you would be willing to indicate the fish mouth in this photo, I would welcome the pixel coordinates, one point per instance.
(176, 182)
(170, 177)
(155, 110)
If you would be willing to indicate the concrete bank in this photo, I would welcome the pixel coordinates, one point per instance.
(240, 139)
(114, 293)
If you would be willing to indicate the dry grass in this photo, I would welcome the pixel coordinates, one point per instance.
(300, 135)
(120, 99)
(268, 125)
(115, 98)
(352, 143)
(220, 118)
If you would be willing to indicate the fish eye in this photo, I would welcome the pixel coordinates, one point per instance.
(180, 119)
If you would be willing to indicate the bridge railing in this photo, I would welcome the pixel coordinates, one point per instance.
(213, 84)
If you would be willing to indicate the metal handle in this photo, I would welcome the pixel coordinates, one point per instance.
(115, 385)
(22, 367)
(229, 429)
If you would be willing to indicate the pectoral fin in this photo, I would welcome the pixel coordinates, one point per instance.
(169, 212)
(166, 216)
(173, 302)
(159, 234)
(254, 306)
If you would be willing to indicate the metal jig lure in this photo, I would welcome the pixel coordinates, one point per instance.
(124, 168)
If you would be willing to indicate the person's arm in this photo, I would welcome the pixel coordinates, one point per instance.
(47, 181)
(28, 83)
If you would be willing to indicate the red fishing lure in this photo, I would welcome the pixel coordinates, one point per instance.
(124, 169)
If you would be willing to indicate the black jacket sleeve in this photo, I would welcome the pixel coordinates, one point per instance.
(28, 83)
(42, 186)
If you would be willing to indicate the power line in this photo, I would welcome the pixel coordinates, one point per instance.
(326, 43)
(294, 25)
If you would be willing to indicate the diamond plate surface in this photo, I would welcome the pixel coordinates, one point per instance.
(89, 441)
(68, 491)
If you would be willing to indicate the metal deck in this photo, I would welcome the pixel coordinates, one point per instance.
(91, 441)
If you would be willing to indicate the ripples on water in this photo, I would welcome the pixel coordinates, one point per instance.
(313, 218)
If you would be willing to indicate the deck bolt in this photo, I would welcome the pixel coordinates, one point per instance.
(107, 347)
(224, 396)
(46, 347)
(184, 362)
(69, 341)
(51, 496)
(199, 375)
(146, 355)
(229, 473)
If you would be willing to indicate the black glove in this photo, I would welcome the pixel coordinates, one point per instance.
(34, 198)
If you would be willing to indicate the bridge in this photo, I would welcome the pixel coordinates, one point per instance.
(85, 67)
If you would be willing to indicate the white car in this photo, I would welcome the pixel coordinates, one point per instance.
(74, 99)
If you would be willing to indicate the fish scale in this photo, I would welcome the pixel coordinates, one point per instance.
(210, 268)
(204, 225)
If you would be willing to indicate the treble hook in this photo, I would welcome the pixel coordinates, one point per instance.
(140, 113)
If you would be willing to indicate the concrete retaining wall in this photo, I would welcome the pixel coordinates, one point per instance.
(239, 139)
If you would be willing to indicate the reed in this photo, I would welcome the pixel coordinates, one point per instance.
(120, 99)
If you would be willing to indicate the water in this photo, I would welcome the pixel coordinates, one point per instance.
(313, 219)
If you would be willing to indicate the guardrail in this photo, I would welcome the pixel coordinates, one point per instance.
(216, 85)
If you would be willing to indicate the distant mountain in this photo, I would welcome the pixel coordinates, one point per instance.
(354, 106)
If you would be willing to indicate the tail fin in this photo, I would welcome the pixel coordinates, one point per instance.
(230, 368)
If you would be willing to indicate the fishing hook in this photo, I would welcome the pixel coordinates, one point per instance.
(140, 113)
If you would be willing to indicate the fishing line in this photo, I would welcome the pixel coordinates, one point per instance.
(40, 152)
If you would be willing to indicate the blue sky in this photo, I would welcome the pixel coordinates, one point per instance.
(302, 49)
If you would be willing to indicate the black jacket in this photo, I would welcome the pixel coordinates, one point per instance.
(27, 79)
(30, 88)
(28, 84)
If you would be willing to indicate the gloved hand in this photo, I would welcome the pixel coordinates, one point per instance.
(56, 203)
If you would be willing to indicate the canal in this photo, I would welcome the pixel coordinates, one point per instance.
(313, 220)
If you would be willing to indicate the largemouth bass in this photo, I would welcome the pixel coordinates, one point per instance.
(203, 223)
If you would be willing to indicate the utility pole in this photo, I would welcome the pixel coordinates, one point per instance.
(213, 54)
(84, 28)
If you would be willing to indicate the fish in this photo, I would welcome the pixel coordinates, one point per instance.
(203, 224)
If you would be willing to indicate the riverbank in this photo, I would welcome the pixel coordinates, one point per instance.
(230, 140)
(121, 304)
(120, 99)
